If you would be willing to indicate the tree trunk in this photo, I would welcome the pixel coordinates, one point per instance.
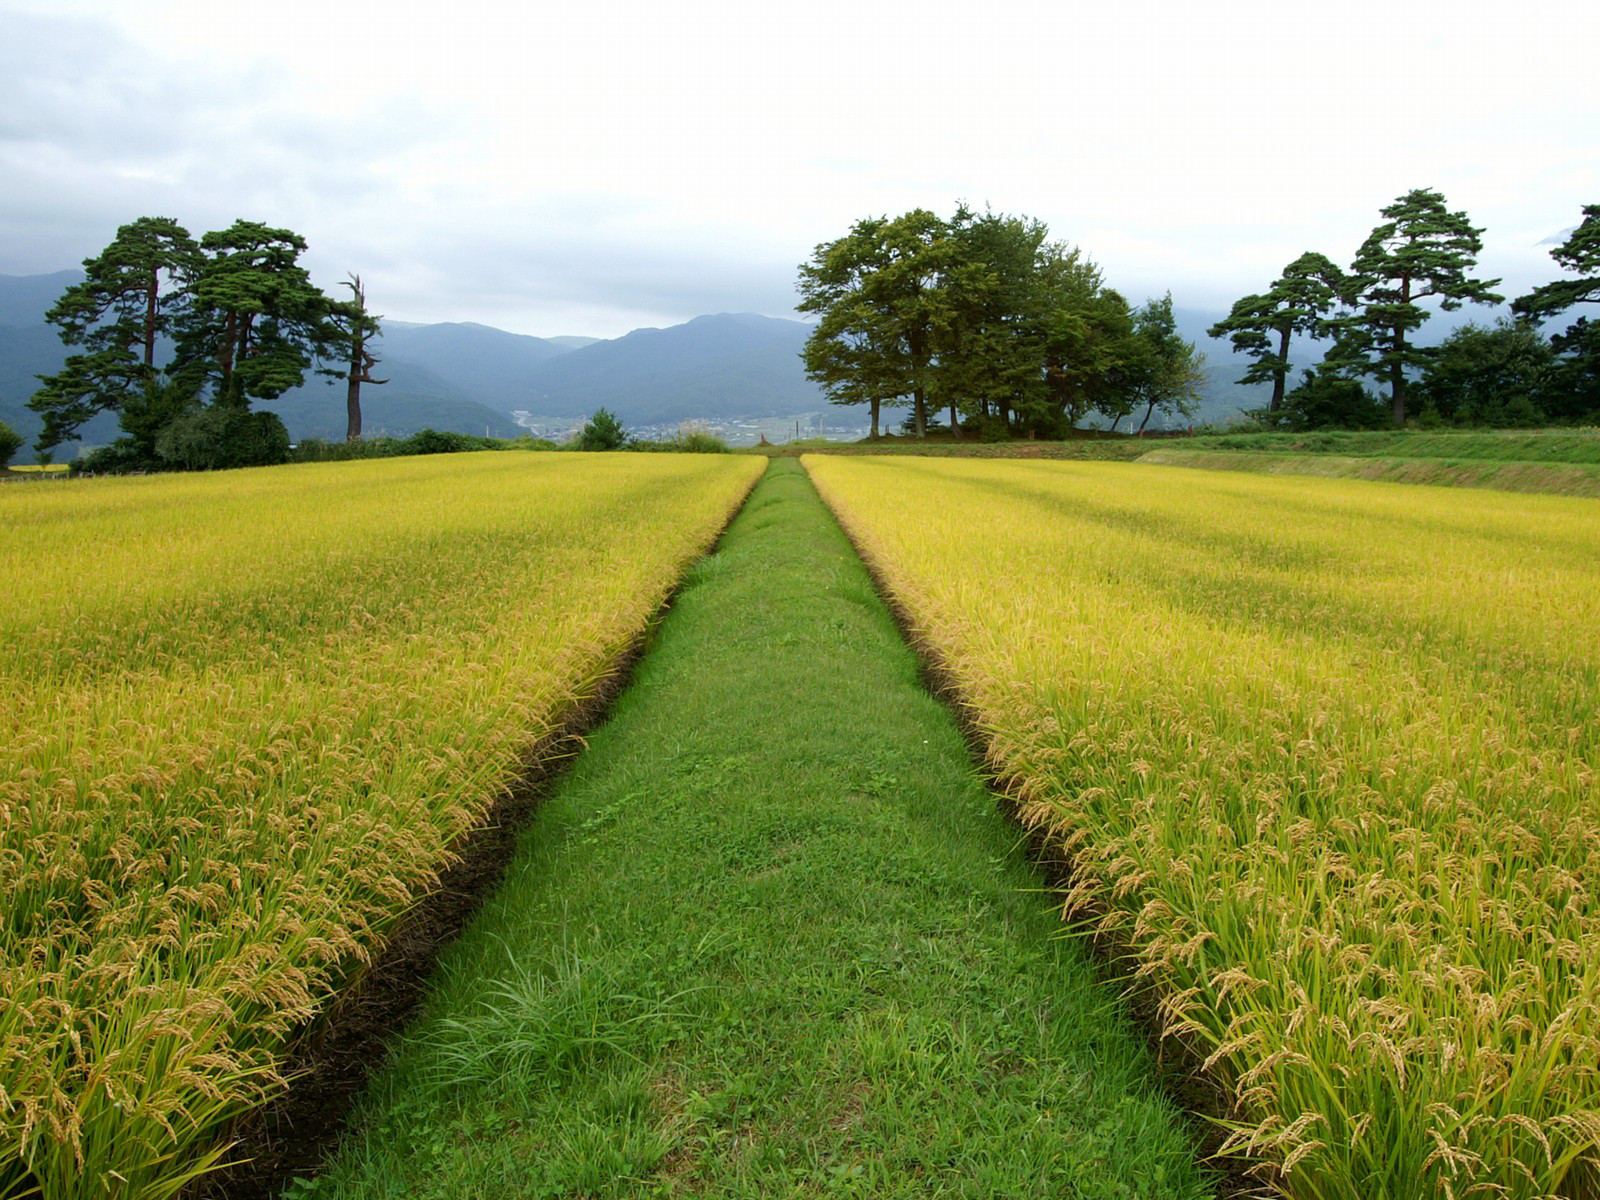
(1117, 420)
(352, 403)
(1148, 410)
(919, 413)
(875, 418)
(1283, 369)
(955, 425)
(225, 352)
(1397, 375)
(1397, 380)
(150, 319)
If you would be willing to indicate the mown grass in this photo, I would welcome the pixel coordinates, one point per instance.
(1325, 756)
(770, 938)
(244, 717)
(1474, 445)
(1556, 461)
(1552, 478)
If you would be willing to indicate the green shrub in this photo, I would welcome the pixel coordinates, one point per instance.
(698, 441)
(690, 441)
(221, 436)
(434, 441)
(10, 443)
(994, 428)
(602, 432)
(1325, 400)
(426, 441)
(122, 457)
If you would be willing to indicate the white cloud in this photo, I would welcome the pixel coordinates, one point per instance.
(580, 168)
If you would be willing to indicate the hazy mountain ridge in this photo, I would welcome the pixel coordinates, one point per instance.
(471, 378)
(721, 366)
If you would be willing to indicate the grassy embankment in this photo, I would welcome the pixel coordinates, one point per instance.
(770, 938)
(1563, 461)
(1325, 757)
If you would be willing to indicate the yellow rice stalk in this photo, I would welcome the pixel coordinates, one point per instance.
(1327, 754)
(243, 718)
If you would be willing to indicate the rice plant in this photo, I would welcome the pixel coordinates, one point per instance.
(243, 719)
(1326, 758)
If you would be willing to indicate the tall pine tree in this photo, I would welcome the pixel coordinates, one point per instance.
(133, 293)
(358, 327)
(1421, 251)
(256, 321)
(1262, 325)
(1575, 391)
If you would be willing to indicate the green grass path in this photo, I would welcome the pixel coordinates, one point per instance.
(769, 938)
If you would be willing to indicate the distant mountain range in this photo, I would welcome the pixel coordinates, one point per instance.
(732, 370)
(475, 379)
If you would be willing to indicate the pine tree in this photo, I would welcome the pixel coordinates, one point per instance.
(1421, 251)
(1574, 394)
(1298, 302)
(1579, 253)
(133, 293)
(358, 327)
(256, 321)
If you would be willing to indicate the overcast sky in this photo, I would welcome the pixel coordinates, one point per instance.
(594, 167)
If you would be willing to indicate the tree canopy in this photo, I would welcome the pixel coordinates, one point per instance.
(1420, 251)
(171, 328)
(1497, 376)
(878, 292)
(1580, 253)
(1507, 374)
(133, 294)
(1300, 301)
(981, 315)
(256, 320)
(1574, 391)
(1168, 374)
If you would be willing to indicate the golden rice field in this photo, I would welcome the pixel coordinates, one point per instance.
(243, 718)
(1326, 756)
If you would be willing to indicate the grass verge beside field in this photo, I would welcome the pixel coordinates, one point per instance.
(771, 938)
(1478, 445)
(1556, 478)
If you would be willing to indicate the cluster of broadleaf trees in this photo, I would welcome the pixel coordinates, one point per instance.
(1014, 333)
(986, 317)
(180, 337)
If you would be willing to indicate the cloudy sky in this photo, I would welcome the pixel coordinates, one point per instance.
(597, 166)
